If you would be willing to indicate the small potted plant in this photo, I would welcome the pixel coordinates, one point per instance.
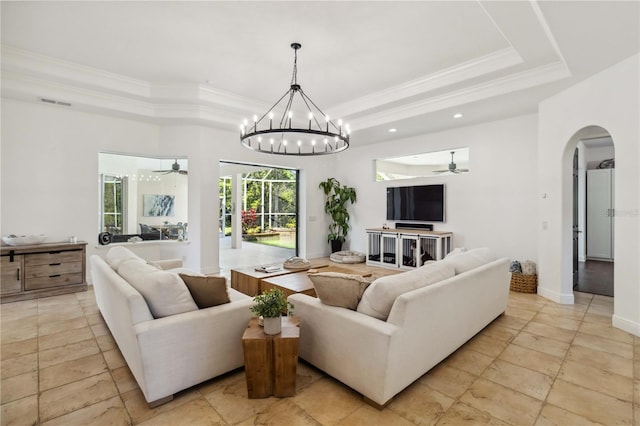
(270, 305)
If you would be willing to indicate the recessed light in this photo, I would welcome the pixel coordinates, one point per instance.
(458, 115)
(393, 130)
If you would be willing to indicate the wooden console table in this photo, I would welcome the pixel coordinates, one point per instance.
(40, 270)
(270, 362)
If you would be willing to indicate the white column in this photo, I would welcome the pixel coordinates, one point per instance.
(236, 211)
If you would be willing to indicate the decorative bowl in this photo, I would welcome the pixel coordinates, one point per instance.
(23, 240)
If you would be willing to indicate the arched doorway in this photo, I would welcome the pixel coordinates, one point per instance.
(588, 160)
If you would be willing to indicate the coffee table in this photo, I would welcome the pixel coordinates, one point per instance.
(247, 280)
(300, 282)
(270, 361)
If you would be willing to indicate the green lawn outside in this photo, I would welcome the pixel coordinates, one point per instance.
(278, 243)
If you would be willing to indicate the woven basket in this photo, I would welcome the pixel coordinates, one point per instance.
(524, 283)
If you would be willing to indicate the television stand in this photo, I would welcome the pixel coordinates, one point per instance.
(406, 248)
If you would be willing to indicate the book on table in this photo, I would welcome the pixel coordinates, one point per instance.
(268, 269)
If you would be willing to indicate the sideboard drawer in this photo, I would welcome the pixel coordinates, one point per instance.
(53, 257)
(54, 280)
(52, 269)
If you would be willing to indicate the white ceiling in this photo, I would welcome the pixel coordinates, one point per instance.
(408, 65)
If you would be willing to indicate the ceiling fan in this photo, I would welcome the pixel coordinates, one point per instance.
(452, 167)
(175, 168)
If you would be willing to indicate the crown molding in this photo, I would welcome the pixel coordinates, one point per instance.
(523, 80)
(478, 67)
(54, 69)
(31, 76)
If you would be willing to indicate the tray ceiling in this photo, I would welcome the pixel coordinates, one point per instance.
(408, 65)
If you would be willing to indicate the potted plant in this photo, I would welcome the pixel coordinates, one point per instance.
(336, 206)
(270, 305)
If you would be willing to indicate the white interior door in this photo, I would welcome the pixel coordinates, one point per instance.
(599, 214)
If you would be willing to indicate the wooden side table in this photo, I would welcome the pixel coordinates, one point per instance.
(270, 362)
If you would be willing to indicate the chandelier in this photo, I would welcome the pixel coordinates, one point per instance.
(283, 131)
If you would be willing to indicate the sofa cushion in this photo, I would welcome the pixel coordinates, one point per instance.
(378, 299)
(165, 293)
(336, 289)
(470, 259)
(207, 291)
(118, 254)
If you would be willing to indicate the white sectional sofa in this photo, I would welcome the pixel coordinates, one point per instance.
(183, 347)
(405, 324)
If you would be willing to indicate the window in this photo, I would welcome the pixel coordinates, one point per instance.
(113, 196)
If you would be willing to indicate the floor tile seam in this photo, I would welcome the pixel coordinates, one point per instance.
(113, 380)
(556, 377)
(418, 383)
(604, 352)
(515, 390)
(596, 335)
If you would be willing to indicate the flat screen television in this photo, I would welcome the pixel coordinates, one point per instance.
(423, 203)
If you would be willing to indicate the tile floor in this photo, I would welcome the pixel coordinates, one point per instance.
(541, 363)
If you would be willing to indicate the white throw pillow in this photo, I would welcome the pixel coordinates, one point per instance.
(118, 254)
(470, 259)
(165, 293)
(378, 298)
(456, 251)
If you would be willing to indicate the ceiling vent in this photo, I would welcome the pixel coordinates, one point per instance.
(54, 102)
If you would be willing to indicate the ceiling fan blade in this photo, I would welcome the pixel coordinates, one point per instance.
(183, 172)
(441, 171)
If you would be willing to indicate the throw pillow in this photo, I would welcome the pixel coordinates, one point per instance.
(207, 291)
(165, 293)
(456, 251)
(336, 289)
(470, 259)
(118, 254)
(378, 299)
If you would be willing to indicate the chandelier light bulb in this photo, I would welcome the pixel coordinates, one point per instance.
(313, 142)
(245, 122)
(271, 116)
(299, 143)
(284, 142)
(271, 141)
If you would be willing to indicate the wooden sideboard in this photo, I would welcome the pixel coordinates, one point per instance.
(40, 270)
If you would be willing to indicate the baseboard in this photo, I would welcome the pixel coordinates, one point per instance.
(564, 299)
(626, 325)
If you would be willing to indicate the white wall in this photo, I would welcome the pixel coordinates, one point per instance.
(611, 100)
(50, 167)
(494, 205)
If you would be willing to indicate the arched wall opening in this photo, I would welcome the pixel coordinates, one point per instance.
(574, 209)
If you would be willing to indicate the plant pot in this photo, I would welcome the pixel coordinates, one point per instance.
(336, 245)
(272, 325)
